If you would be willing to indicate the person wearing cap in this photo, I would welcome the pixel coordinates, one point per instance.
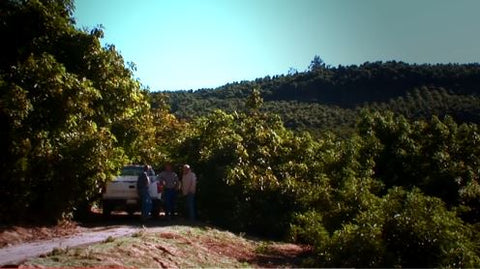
(170, 180)
(189, 184)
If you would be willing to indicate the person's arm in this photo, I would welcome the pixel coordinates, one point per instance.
(188, 184)
(191, 183)
(147, 179)
(176, 181)
(161, 178)
(194, 183)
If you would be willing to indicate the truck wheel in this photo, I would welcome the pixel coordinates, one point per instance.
(130, 211)
(107, 209)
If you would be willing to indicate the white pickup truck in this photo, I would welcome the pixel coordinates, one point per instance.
(121, 193)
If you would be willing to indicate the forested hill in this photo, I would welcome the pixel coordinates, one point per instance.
(329, 97)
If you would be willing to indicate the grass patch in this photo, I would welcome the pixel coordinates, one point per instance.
(109, 239)
(263, 247)
(58, 251)
(140, 233)
(177, 246)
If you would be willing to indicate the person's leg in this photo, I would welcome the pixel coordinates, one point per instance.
(167, 202)
(174, 200)
(191, 206)
(149, 205)
(146, 204)
(170, 202)
(143, 204)
(187, 206)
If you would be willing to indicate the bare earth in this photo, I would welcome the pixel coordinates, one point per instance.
(20, 252)
(19, 234)
(158, 245)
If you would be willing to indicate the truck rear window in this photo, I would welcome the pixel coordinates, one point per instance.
(135, 171)
(131, 171)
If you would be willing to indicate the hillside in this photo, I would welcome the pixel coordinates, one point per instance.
(329, 97)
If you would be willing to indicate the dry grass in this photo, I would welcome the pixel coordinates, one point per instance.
(180, 246)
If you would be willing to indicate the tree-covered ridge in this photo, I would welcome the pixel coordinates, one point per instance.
(350, 86)
(329, 97)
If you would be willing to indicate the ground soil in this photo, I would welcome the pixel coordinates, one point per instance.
(12, 235)
(124, 241)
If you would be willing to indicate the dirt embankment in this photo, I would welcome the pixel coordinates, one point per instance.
(13, 235)
(176, 247)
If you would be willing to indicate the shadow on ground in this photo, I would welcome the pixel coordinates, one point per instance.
(96, 219)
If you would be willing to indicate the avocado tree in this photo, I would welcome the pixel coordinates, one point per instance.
(70, 112)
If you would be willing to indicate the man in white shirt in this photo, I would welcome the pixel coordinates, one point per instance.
(189, 184)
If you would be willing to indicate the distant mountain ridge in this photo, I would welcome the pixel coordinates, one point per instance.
(329, 97)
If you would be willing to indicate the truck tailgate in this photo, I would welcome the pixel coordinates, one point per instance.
(122, 188)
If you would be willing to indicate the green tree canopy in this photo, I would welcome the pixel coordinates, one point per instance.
(70, 111)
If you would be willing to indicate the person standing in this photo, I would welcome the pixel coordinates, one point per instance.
(189, 184)
(143, 183)
(170, 180)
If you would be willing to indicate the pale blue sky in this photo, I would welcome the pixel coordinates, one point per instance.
(179, 44)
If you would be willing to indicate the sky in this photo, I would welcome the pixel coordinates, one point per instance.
(182, 45)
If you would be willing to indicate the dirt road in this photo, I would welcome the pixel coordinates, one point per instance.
(159, 237)
(177, 246)
(16, 254)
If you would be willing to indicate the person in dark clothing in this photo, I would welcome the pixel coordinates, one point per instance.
(172, 184)
(143, 183)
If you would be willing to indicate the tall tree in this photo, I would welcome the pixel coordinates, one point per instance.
(316, 64)
(68, 108)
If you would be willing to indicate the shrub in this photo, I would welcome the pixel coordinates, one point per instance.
(406, 229)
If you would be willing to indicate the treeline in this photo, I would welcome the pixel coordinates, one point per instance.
(369, 188)
(327, 98)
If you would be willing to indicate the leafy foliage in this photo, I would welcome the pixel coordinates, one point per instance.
(358, 200)
(70, 112)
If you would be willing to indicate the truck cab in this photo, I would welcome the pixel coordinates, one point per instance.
(121, 193)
